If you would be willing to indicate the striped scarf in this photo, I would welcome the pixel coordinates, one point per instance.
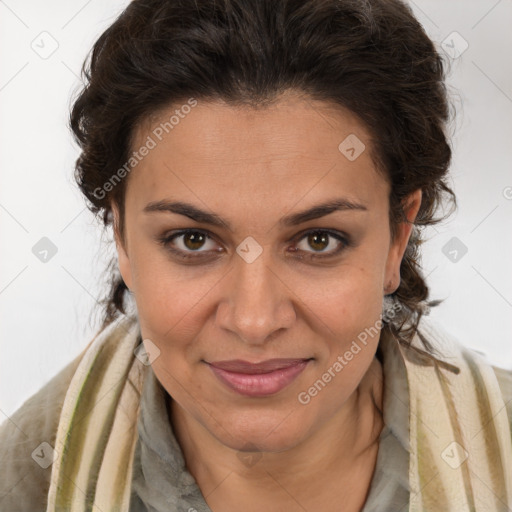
(460, 437)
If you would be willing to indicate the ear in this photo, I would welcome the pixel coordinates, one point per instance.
(411, 206)
(122, 249)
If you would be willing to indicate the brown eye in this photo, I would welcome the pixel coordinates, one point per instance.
(190, 244)
(193, 240)
(320, 240)
(187, 242)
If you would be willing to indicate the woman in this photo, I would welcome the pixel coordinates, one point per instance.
(266, 167)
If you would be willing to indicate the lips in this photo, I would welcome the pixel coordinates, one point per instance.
(270, 365)
(258, 379)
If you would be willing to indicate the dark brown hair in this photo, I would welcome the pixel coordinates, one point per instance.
(370, 56)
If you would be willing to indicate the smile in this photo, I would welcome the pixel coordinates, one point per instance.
(260, 379)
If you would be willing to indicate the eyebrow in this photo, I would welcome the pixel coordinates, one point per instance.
(194, 213)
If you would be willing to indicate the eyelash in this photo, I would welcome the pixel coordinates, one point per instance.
(166, 240)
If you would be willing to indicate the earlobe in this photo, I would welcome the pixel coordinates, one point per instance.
(397, 249)
(122, 255)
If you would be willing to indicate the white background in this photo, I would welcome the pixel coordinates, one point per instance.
(46, 309)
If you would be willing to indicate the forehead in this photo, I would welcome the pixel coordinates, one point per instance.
(294, 148)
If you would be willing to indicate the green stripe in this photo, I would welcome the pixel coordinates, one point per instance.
(86, 401)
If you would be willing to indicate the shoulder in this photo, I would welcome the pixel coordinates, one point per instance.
(24, 483)
(447, 345)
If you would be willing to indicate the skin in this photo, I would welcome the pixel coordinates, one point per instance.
(252, 167)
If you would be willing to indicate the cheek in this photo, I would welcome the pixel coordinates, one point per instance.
(349, 311)
(349, 299)
(348, 308)
(354, 325)
(172, 305)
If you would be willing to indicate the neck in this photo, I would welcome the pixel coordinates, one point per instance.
(342, 450)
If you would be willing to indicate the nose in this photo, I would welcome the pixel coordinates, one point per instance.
(256, 303)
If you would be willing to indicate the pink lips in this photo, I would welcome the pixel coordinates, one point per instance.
(260, 379)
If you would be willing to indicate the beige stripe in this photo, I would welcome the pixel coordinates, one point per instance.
(494, 469)
(448, 387)
(87, 414)
(448, 403)
(116, 471)
(434, 484)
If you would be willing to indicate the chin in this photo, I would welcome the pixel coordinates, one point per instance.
(260, 431)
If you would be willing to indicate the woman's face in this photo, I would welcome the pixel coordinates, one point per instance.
(261, 271)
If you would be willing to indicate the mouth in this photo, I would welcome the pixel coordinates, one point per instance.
(258, 379)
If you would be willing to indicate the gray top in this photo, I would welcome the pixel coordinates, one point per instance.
(161, 481)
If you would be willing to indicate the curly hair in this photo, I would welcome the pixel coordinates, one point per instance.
(372, 57)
